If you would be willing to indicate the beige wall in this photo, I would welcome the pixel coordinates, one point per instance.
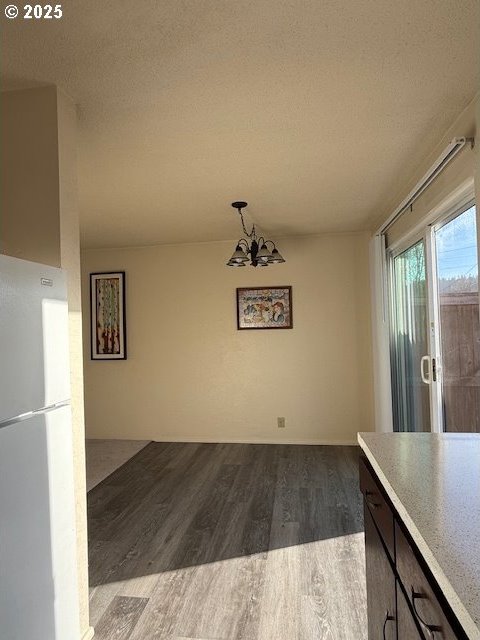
(190, 375)
(29, 204)
(70, 260)
(39, 222)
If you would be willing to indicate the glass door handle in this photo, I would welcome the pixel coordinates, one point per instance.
(425, 376)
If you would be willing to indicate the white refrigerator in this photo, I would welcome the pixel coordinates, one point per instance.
(38, 577)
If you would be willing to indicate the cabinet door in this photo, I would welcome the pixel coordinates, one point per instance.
(407, 629)
(380, 585)
(430, 614)
(379, 509)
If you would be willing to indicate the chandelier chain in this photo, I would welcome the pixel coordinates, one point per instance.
(252, 233)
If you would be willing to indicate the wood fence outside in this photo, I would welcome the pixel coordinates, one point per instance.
(460, 337)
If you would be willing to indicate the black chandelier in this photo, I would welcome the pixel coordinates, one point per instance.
(258, 249)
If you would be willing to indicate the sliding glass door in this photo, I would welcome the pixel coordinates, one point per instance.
(458, 314)
(435, 328)
(411, 403)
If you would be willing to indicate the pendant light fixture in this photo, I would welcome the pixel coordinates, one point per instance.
(257, 248)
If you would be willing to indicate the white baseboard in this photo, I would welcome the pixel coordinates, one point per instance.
(207, 440)
(88, 634)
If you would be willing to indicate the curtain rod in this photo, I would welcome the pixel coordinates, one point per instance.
(452, 149)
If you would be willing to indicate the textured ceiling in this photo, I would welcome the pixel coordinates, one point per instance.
(312, 111)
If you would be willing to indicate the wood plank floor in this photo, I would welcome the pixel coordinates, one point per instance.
(229, 542)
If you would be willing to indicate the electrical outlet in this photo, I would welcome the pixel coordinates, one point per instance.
(281, 423)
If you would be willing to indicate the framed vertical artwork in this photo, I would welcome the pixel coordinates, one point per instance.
(264, 308)
(107, 310)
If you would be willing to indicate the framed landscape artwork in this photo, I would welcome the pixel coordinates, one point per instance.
(264, 308)
(107, 309)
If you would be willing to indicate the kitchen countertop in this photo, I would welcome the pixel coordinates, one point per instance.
(433, 481)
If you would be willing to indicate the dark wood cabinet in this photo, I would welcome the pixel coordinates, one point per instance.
(426, 608)
(404, 602)
(405, 621)
(380, 585)
(378, 507)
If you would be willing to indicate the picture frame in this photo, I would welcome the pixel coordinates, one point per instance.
(264, 308)
(108, 337)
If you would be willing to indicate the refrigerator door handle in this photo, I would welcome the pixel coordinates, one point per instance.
(52, 407)
(29, 414)
(10, 421)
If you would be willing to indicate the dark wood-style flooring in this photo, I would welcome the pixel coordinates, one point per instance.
(229, 542)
